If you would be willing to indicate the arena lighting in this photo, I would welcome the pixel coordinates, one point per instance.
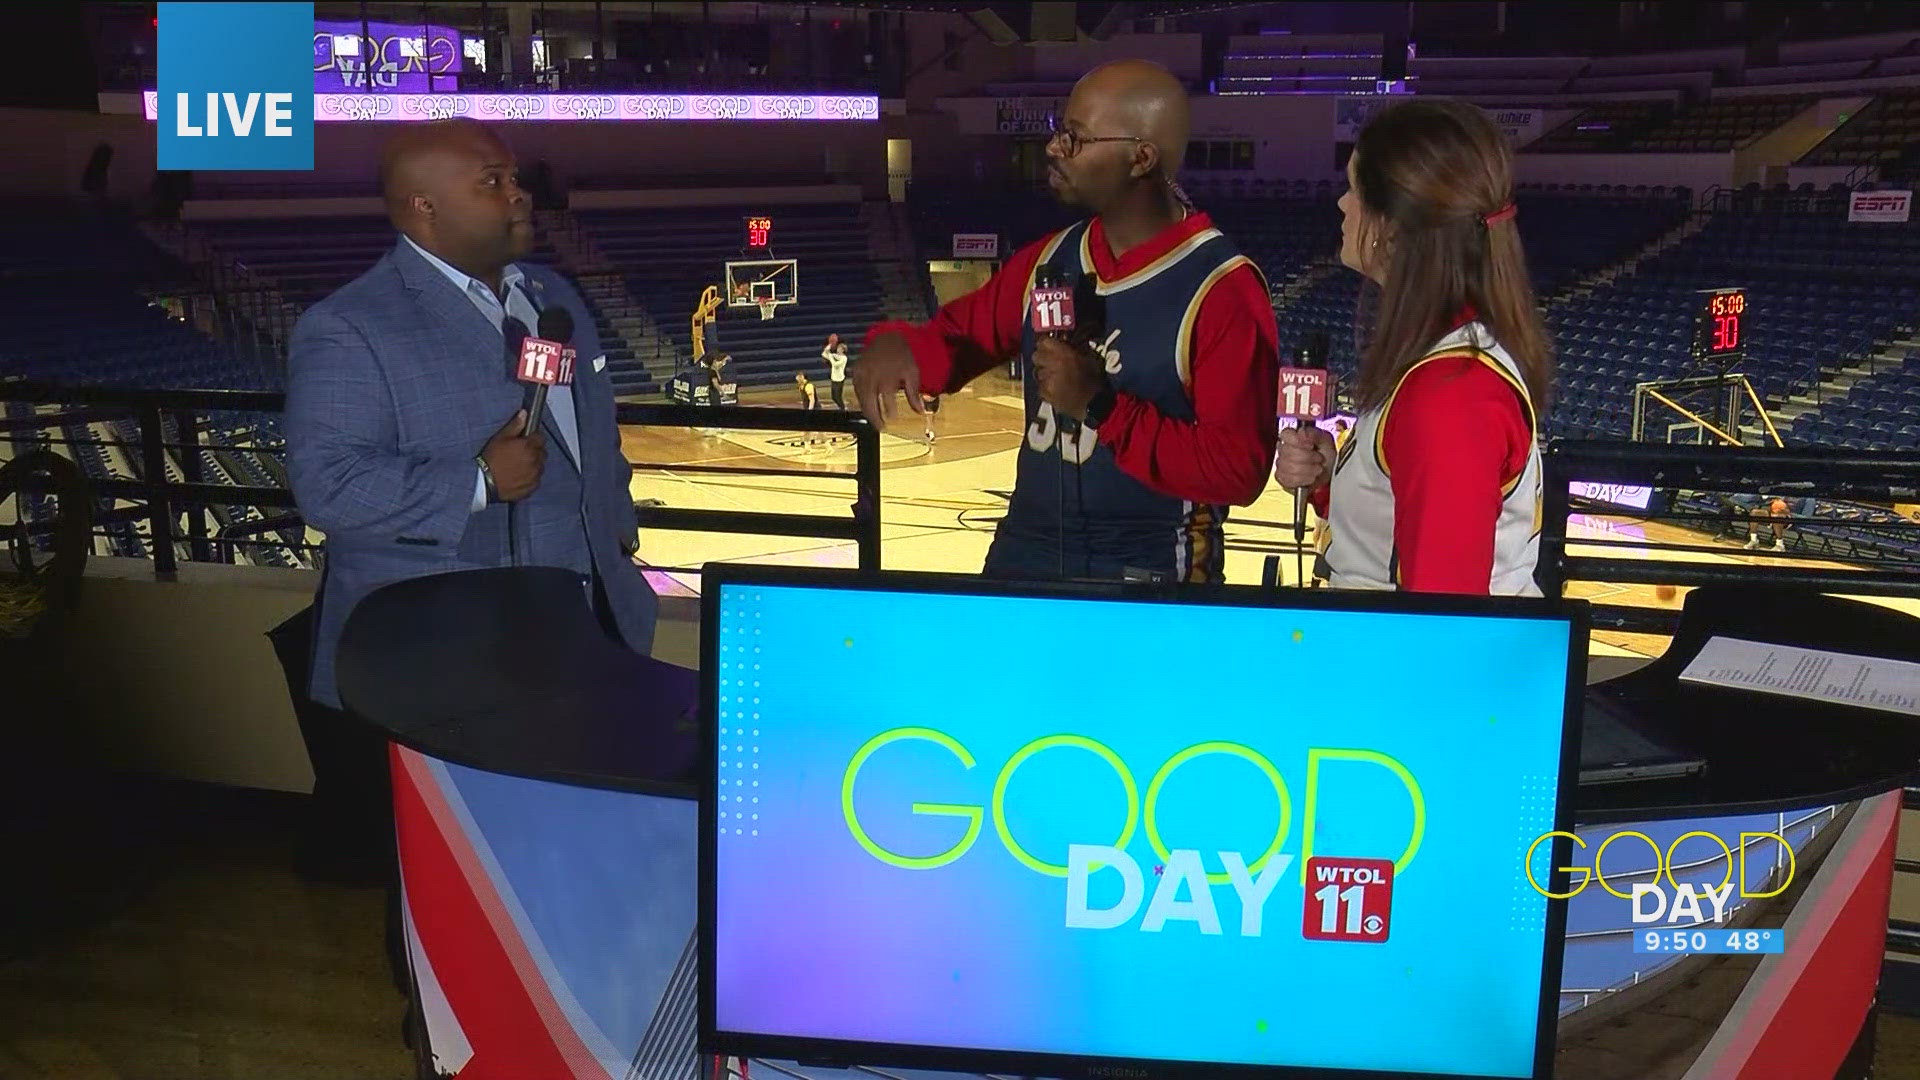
(401, 108)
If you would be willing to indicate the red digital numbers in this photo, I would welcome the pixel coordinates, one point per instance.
(759, 230)
(1726, 333)
(1720, 325)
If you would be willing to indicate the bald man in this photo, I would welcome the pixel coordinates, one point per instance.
(406, 429)
(1140, 438)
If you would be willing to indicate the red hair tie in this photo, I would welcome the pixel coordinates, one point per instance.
(1505, 213)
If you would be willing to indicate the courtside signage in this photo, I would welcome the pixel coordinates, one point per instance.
(236, 87)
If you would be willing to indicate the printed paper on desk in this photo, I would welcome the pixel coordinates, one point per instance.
(1868, 682)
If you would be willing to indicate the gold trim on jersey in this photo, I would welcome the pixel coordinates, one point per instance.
(1450, 353)
(1199, 537)
(1183, 344)
(1148, 272)
(1053, 245)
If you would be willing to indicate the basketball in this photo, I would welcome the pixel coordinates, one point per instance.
(1665, 592)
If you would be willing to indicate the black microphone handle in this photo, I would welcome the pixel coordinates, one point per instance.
(533, 410)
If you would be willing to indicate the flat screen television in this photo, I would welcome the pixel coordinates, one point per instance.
(1124, 831)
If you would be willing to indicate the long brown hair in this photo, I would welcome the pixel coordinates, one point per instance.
(1429, 174)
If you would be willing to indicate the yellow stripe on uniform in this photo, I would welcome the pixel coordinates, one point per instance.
(1199, 536)
(1146, 273)
(1526, 402)
(1183, 344)
(1053, 245)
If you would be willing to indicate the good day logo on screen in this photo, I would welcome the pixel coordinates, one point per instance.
(1352, 894)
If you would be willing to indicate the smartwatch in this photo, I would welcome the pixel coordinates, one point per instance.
(1101, 407)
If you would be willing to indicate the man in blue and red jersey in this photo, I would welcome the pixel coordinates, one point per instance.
(1138, 440)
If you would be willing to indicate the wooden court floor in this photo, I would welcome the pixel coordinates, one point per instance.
(941, 499)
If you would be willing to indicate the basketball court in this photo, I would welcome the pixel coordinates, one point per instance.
(941, 500)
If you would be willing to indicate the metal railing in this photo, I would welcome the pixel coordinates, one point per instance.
(171, 424)
(863, 524)
(1875, 478)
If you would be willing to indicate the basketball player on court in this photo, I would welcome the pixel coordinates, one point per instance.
(1438, 489)
(1135, 447)
(809, 399)
(835, 354)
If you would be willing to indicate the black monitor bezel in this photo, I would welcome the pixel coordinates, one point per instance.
(848, 1053)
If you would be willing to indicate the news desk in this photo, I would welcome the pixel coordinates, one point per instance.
(545, 787)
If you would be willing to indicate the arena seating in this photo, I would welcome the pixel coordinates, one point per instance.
(1283, 228)
(1607, 127)
(1606, 348)
(1589, 232)
(307, 259)
(1722, 124)
(1821, 293)
(89, 325)
(1885, 132)
(669, 256)
(1880, 412)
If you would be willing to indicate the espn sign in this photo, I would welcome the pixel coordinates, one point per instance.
(1880, 206)
(967, 245)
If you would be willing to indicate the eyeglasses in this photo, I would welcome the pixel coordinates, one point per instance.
(1071, 141)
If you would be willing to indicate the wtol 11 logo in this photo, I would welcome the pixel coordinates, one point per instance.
(1347, 899)
(235, 87)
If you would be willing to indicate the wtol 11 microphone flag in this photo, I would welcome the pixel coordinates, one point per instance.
(1050, 309)
(1305, 392)
(1305, 389)
(545, 359)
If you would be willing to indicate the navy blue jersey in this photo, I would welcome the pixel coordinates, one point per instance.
(1070, 496)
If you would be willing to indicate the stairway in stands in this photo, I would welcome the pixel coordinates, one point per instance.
(639, 357)
(897, 263)
(1873, 404)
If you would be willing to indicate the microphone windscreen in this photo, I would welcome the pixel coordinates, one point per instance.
(556, 324)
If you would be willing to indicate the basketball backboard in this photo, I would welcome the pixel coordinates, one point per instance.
(751, 282)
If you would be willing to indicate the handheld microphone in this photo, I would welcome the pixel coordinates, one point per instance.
(1050, 311)
(1051, 307)
(546, 359)
(1304, 394)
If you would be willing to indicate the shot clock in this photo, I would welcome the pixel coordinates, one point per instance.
(759, 233)
(1719, 940)
(1719, 327)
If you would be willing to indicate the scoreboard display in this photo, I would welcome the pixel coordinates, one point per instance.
(759, 233)
(1719, 326)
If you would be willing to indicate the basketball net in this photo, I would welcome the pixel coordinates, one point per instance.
(766, 309)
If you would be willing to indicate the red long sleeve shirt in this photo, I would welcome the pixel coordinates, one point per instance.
(1456, 436)
(1224, 455)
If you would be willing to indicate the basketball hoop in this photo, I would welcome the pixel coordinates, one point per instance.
(767, 305)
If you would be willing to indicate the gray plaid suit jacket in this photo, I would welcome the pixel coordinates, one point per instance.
(394, 384)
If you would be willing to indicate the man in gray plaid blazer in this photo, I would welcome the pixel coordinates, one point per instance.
(404, 419)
